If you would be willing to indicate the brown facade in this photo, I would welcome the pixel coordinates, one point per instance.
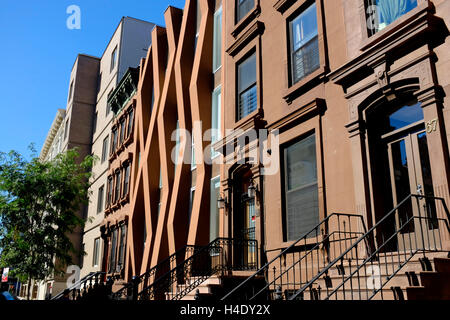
(118, 188)
(352, 116)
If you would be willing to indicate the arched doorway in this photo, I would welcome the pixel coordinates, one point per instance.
(400, 166)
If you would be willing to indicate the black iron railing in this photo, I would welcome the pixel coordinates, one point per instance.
(131, 289)
(396, 238)
(89, 286)
(303, 259)
(220, 255)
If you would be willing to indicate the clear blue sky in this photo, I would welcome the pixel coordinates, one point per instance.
(37, 53)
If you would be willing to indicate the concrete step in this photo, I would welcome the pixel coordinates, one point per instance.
(442, 265)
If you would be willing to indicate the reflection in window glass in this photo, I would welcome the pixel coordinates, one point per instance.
(381, 13)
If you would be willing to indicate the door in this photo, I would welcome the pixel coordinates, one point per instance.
(244, 223)
(410, 173)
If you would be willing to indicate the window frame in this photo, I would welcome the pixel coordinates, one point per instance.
(100, 197)
(293, 128)
(113, 59)
(292, 18)
(284, 178)
(289, 12)
(96, 251)
(217, 40)
(105, 148)
(255, 84)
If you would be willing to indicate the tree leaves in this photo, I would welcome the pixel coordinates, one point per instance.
(41, 205)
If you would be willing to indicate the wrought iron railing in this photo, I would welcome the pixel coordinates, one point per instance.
(131, 289)
(85, 287)
(306, 256)
(220, 255)
(396, 238)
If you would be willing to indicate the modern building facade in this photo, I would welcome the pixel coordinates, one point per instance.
(127, 46)
(71, 128)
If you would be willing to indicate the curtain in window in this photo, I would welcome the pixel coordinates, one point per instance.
(391, 10)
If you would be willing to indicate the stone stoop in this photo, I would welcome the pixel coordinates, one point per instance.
(435, 285)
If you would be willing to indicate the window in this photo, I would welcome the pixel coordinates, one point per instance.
(110, 191)
(108, 106)
(215, 121)
(96, 252)
(198, 17)
(82, 254)
(246, 87)
(105, 149)
(243, 7)
(381, 13)
(301, 189)
(126, 180)
(191, 202)
(130, 122)
(122, 243)
(112, 257)
(214, 209)
(101, 191)
(114, 140)
(113, 59)
(304, 44)
(66, 129)
(117, 182)
(94, 123)
(122, 130)
(99, 82)
(70, 90)
(217, 41)
(193, 164)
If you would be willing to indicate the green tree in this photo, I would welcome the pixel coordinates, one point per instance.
(40, 205)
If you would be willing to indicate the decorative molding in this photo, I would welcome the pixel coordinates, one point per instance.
(282, 5)
(315, 107)
(241, 25)
(256, 29)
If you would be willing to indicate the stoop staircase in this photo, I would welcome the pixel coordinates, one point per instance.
(403, 256)
(349, 262)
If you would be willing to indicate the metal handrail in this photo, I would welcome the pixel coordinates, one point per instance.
(294, 244)
(128, 287)
(182, 271)
(372, 255)
(78, 283)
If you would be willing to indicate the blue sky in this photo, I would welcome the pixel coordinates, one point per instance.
(37, 54)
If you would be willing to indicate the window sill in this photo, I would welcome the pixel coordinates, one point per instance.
(125, 199)
(246, 20)
(249, 120)
(305, 84)
(390, 31)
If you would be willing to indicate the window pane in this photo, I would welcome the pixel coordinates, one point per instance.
(381, 13)
(247, 100)
(100, 199)
(215, 119)
(301, 187)
(244, 7)
(304, 27)
(304, 44)
(130, 122)
(247, 73)
(214, 209)
(217, 50)
(405, 116)
(105, 149)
